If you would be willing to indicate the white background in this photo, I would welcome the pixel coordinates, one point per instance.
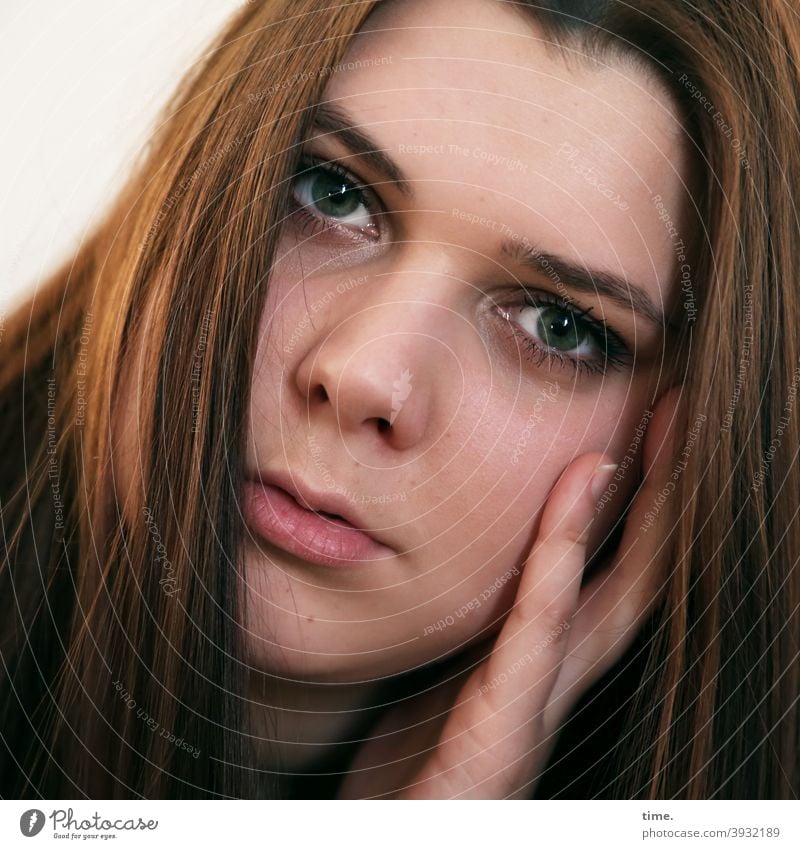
(81, 84)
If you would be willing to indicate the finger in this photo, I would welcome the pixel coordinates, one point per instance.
(549, 588)
(615, 603)
(488, 745)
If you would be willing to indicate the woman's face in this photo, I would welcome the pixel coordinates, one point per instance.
(438, 346)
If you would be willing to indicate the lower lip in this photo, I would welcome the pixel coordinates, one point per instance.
(274, 515)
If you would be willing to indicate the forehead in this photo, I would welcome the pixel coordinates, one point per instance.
(479, 110)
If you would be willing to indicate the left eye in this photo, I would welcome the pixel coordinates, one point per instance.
(326, 193)
(556, 333)
(557, 328)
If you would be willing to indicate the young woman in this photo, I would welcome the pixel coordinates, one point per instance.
(420, 421)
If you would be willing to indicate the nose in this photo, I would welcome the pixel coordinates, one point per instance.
(371, 373)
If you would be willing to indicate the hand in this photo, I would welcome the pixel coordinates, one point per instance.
(558, 639)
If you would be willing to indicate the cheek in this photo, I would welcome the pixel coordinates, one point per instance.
(304, 284)
(284, 323)
(491, 499)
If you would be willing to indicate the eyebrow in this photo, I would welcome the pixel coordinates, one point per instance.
(334, 121)
(582, 279)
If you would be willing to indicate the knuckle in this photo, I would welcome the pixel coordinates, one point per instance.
(553, 619)
(574, 535)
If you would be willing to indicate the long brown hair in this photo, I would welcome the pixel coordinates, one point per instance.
(122, 652)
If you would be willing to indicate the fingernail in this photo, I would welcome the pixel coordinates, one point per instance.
(602, 478)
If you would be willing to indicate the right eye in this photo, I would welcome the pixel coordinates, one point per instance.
(327, 193)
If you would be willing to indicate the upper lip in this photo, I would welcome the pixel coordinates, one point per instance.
(335, 503)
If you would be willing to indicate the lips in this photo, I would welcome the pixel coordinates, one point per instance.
(318, 528)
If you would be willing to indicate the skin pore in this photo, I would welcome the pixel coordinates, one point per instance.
(498, 147)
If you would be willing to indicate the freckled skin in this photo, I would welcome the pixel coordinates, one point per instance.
(469, 514)
(468, 471)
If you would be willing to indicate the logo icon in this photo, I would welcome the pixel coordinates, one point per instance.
(402, 389)
(31, 822)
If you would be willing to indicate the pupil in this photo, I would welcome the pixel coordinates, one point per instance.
(559, 329)
(561, 325)
(333, 197)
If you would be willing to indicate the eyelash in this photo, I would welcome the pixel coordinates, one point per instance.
(613, 353)
(311, 224)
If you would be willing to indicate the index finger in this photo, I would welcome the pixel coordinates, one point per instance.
(490, 745)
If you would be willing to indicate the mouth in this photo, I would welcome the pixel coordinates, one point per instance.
(320, 528)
